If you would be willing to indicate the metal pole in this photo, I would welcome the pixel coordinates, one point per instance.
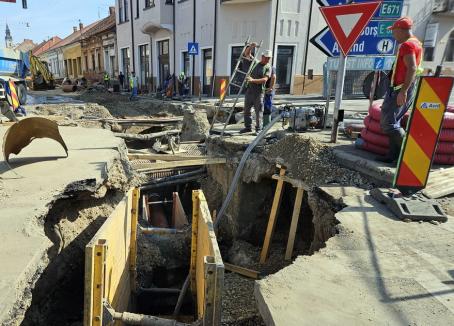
(339, 91)
(373, 88)
(328, 98)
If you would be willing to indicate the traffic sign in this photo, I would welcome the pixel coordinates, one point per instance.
(347, 22)
(389, 9)
(193, 48)
(423, 132)
(375, 39)
(379, 63)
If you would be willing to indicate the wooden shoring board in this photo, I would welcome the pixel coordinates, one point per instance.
(440, 183)
(207, 268)
(115, 234)
(294, 223)
(179, 218)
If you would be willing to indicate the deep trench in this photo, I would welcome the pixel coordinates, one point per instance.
(163, 261)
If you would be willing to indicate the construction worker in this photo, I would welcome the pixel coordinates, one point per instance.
(133, 84)
(181, 79)
(268, 98)
(106, 79)
(399, 96)
(121, 79)
(259, 75)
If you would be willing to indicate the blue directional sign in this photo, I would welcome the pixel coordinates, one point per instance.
(379, 63)
(375, 39)
(193, 48)
(389, 9)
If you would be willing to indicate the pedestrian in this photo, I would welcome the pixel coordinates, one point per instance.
(181, 79)
(259, 74)
(400, 95)
(268, 98)
(121, 79)
(106, 79)
(133, 84)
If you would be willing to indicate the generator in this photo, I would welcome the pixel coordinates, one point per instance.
(303, 118)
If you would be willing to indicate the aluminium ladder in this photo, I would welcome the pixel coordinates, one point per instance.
(232, 82)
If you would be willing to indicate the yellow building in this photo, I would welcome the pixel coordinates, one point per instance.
(72, 58)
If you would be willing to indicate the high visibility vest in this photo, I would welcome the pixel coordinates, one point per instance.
(419, 69)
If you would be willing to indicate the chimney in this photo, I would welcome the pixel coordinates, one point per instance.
(111, 11)
(74, 29)
(81, 26)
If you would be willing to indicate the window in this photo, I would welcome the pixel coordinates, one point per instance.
(79, 65)
(93, 63)
(125, 61)
(207, 70)
(149, 3)
(186, 63)
(137, 8)
(428, 54)
(126, 10)
(99, 61)
(120, 11)
(450, 48)
(144, 54)
(86, 63)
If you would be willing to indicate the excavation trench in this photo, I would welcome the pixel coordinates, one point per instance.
(164, 259)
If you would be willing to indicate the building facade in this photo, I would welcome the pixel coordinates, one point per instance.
(153, 37)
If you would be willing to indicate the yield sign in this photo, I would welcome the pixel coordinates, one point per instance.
(346, 22)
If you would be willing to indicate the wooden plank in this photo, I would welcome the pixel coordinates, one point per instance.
(242, 271)
(440, 183)
(163, 157)
(294, 182)
(116, 232)
(179, 219)
(133, 240)
(195, 219)
(210, 291)
(147, 136)
(98, 286)
(177, 164)
(88, 284)
(294, 223)
(273, 215)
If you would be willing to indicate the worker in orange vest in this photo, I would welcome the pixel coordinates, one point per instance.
(400, 95)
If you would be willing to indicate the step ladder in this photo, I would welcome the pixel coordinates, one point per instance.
(220, 109)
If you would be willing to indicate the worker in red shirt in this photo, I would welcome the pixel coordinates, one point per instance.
(399, 97)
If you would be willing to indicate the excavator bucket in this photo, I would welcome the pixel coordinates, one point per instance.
(22, 133)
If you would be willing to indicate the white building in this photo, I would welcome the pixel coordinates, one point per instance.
(148, 31)
(220, 27)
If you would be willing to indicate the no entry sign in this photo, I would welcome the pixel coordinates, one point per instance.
(422, 134)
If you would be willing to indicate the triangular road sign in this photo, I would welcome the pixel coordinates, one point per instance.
(347, 22)
(193, 50)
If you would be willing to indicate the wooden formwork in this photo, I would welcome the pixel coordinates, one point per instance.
(110, 261)
(207, 268)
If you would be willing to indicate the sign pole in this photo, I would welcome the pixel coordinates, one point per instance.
(340, 78)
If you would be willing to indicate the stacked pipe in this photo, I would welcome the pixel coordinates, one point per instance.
(374, 140)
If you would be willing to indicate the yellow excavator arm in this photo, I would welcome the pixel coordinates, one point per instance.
(41, 76)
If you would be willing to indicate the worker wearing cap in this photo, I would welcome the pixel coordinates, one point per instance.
(260, 73)
(399, 97)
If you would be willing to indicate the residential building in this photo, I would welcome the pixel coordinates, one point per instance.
(51, 57)
(99, 49)
(25, 46)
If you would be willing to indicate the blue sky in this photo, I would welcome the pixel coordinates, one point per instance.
(47, 18)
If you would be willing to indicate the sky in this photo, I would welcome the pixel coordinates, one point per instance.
(47, 18)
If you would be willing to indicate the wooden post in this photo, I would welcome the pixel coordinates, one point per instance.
(294, 223)
(195, 218)
(98, 280)
(133, 246)
(273, 215)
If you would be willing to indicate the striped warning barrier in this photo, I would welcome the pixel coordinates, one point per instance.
(422, 134)
(223, 89)
(11, 95)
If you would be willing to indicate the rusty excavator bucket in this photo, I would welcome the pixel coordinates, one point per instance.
(22, 133)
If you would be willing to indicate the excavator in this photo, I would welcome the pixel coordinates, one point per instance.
(42, 78)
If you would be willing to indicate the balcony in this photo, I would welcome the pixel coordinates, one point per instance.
(157, 16)
(233, 2)
(443, 7)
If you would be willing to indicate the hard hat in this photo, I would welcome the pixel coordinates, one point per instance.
(403, 23)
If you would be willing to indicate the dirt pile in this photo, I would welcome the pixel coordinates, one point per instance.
(195, 125)
(312, 162)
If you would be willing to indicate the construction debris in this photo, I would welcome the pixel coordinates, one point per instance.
(146, 137)
(25, 131)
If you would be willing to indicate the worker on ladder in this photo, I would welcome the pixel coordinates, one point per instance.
(259, 75)
(400, 95)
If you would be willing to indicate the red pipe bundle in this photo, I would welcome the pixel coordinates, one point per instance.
(374, 140)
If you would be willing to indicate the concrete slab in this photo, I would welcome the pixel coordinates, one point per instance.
(42, 175)
(376, 271)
